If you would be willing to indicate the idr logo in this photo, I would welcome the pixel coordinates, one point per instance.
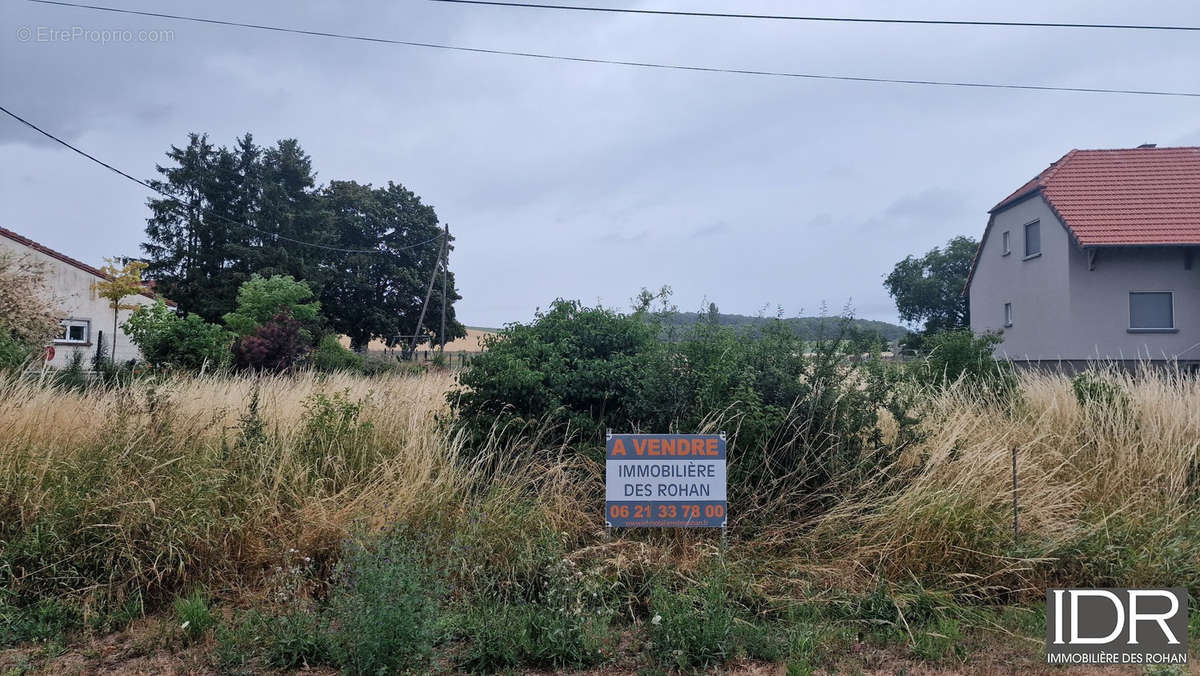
(1116, 626)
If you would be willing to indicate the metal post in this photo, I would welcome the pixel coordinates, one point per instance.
(608, 529)
(725, 524)
(1016, 530)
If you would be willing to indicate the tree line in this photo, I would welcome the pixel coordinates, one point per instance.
(226, 214)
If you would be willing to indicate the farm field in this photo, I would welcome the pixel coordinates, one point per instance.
(472, 342)
(233, 524)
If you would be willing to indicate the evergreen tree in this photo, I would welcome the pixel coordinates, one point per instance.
(193, 244)
(229, 214)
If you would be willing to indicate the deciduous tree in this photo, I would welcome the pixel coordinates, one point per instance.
(379, 295)
(929, 289)
(262, 298)
(120, 282)
(29, 319)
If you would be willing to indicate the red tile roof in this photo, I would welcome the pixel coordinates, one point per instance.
(4, 232)
(1127, 197)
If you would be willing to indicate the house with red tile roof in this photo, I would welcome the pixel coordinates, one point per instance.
(87, 319)
(1095, 258)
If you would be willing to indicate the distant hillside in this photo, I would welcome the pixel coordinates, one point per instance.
(809, 328)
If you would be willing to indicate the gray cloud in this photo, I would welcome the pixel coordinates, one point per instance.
(586, 181)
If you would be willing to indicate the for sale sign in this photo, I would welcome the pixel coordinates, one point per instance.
(665, 480)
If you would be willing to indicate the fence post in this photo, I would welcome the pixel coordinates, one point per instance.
(1016, 530)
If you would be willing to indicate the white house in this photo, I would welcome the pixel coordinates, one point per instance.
(1095, 258)
(88, 318)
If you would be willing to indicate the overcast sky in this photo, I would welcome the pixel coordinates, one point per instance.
(592, 181)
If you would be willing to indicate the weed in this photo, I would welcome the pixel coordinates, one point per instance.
(47, 621)
(111, 615)
(194, 615)
(236, 643)
(567, 624)
(694, 627)
(296, 639)
(383, 605)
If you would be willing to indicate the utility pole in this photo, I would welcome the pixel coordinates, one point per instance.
(428, 292)
(445, 264)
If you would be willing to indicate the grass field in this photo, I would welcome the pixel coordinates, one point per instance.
(236, 524)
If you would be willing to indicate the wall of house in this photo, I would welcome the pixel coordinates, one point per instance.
(1038, 287)
(1100, 303)
(71, 288)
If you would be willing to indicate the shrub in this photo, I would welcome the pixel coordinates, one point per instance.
(793, 408)
(383, 606)
(236, 642)
(1097, 391)
(28, 318)
(167, 340)
(13, 353)
(275, 346)
(960, 354)
(331, 356)
(333, 435)
(574, 364)
(533, 635)
(261, 299)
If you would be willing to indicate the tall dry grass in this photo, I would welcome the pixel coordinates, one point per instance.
(160, 485)
(1107, 491)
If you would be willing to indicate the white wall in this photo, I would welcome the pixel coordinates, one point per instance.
(71, 288)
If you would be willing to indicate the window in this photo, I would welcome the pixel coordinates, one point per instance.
(1033, 239)
(1008, 314)
(1151, 311)
(75, 331)
(1007, 242)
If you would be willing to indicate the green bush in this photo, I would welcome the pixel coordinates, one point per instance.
(236, 642)
(260, 299)
(331, 356)
(794, 409)
(14, 354)
(167, 340)
(383, 606)
(960, 354)
(334, 437)
(1098, 391)
(573, 364)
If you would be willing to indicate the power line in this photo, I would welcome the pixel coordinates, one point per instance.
(635, 64)
(146, 185)
(832, 19)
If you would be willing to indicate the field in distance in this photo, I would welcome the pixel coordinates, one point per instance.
(471, 343)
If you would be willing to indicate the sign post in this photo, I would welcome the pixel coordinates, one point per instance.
(665, 481)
